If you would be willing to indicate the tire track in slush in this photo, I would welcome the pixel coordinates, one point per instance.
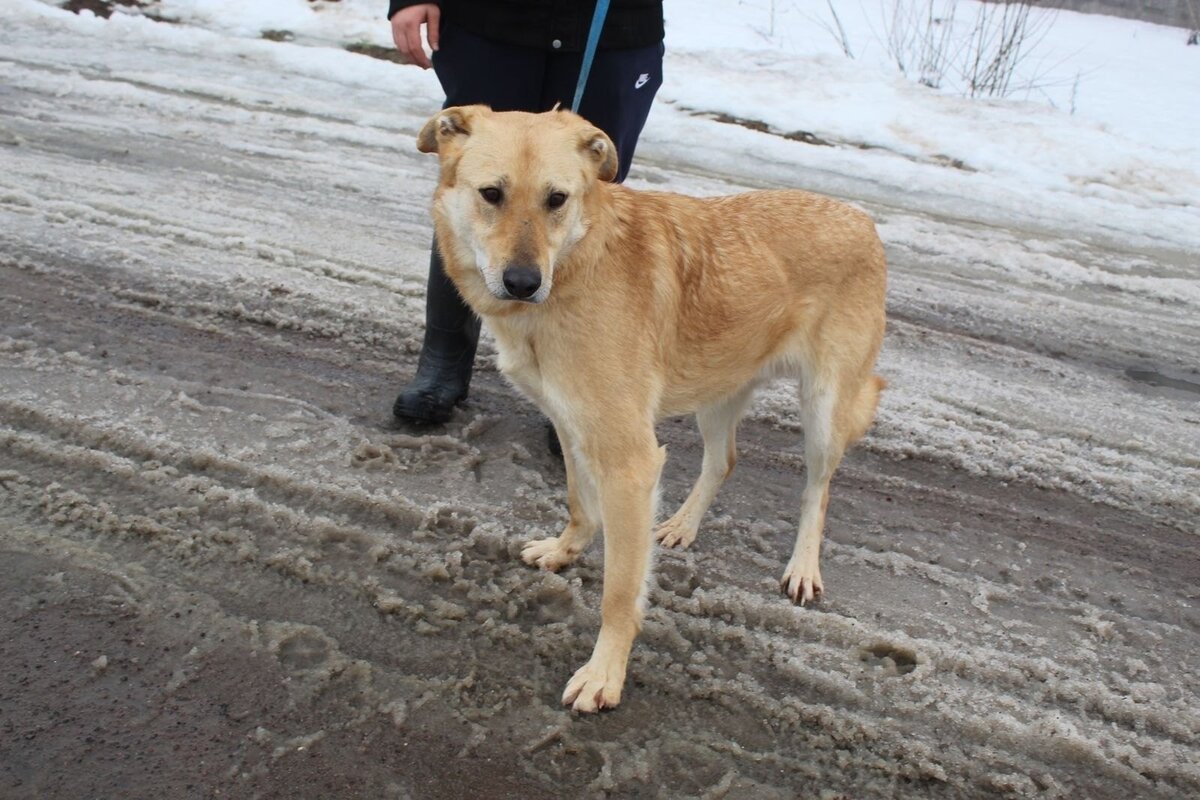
(264, 502)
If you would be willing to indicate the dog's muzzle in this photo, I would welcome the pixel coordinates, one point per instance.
(522, 282)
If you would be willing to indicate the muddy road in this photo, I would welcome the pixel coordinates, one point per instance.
(226, 572)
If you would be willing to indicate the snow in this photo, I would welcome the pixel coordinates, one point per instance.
(213, 251)
(1124, 164)
(1103, 137)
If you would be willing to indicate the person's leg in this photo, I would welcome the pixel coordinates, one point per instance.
(471, 70)
(620, 91)
(474, 70)
(447, 353)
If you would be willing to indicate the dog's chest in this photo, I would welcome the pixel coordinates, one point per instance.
(517, 358)
(525, 364)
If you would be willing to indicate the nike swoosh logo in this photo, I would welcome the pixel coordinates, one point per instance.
(642, 80)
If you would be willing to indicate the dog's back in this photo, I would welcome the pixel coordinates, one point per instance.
(742, 286)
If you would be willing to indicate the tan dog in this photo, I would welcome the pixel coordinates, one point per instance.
(612, 308)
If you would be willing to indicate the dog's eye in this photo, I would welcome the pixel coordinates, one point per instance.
(556, 200)
(492, 194)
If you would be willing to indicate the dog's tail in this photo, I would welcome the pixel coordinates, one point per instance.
(862, 409)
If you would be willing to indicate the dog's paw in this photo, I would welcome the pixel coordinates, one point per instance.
(594, 686)
(802, 582)
(548, 554)
(676, 532)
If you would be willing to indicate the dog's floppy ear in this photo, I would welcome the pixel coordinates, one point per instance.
(599, 148)
(444, 126)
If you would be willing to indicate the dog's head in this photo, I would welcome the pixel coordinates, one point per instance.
(513, 189)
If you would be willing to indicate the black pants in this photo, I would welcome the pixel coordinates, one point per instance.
(620, 88)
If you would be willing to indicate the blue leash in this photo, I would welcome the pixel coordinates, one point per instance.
(590, 52)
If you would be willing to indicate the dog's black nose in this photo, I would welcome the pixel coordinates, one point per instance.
(522, 282)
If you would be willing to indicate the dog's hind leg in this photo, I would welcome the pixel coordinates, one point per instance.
(627, 471)
(718, 425)
(833, 419)
(824, 443)
(583, 504)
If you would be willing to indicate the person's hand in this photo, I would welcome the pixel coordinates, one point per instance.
(406, 31)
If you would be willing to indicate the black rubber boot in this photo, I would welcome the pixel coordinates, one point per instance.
(447, 354)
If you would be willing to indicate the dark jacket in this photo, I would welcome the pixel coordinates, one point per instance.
(545, 23)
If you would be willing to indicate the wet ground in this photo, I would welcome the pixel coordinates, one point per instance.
(229, 573)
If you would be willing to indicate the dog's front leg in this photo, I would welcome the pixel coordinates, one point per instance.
(555, 552)
(627, 471)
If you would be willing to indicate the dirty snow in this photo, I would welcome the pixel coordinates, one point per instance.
(228, 570)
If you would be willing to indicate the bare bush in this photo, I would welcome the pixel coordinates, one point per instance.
(1003, 34)
(937, 44)
(919, 38)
